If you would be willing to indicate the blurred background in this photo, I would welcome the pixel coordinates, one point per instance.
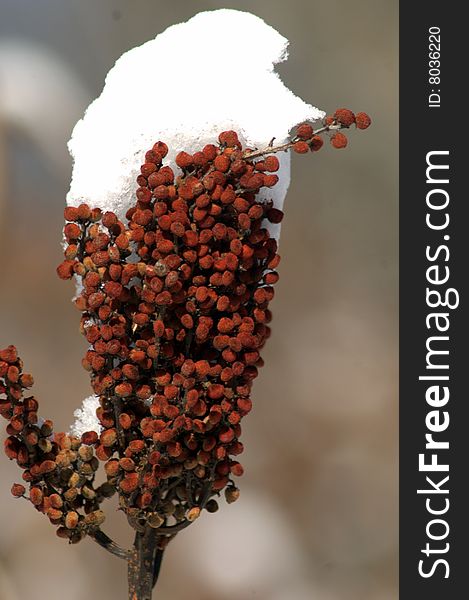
(317, 518)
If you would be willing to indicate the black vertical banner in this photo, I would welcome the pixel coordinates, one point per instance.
(434, 252)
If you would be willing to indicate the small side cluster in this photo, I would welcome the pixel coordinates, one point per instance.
(345, 118)
(58, 470)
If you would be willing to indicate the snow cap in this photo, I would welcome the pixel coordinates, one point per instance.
(213, 73)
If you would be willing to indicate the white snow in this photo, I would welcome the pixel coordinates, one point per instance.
(85, 417)
(213, 73)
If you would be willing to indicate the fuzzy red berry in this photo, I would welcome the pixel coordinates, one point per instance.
(229, 138)
(183, 160)
(362, 120)
(316, 143)
(304, 131)
(271, 163)
(339, 140)
(344, 116)
(301, 147)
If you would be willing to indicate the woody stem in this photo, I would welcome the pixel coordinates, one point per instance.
(290, 144)
(144, 564)
(105, 542)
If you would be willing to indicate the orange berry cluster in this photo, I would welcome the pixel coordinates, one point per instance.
(345, 118)
(175, 308)
(58, 468)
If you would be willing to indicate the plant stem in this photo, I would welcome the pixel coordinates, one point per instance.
(284, 147)
(144, 564)
(105, 542)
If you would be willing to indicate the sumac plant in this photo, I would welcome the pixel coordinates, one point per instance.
(174, 301)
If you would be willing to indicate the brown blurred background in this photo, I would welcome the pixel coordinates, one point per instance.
(317, 518)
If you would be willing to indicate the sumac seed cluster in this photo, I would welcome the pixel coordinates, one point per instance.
(175, 309)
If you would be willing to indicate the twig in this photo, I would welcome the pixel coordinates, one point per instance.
(157, 565)
(173, 529)
(105, 542)
(144, 564)
(205, 495)
(120, 432)
(284, 147)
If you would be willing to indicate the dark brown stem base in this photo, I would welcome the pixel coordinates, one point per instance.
(144, 565)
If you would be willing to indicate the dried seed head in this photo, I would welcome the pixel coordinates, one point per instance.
(35, 495)
(344, 116)
(304, 131)
(179, 512)
(66, 269)
(26, 380)
(339, 140)
(362, 120)
(124, 390)
(89, 438)
(47, 466)
(95, 518)
(155, 520)
(271, 163)
(301, 147)
(74, 480)
(9, 355)
(316, 143)
(18, 490)
(222, 163)
(105, 490)
(71, 213)
(112, 467)
(83, 212)
(71, 519)
(63, 532)
(212, 506)
(229, 138)
(130, 483)
(183, 160)
(161, 148)
(108, 438)
(45, 445)
(56, 501)
(71, 494)
(86, 453)
(193, 513)
(88, 493)
(54, 514)
(72, 231)
(231, 494)
(174, 338)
